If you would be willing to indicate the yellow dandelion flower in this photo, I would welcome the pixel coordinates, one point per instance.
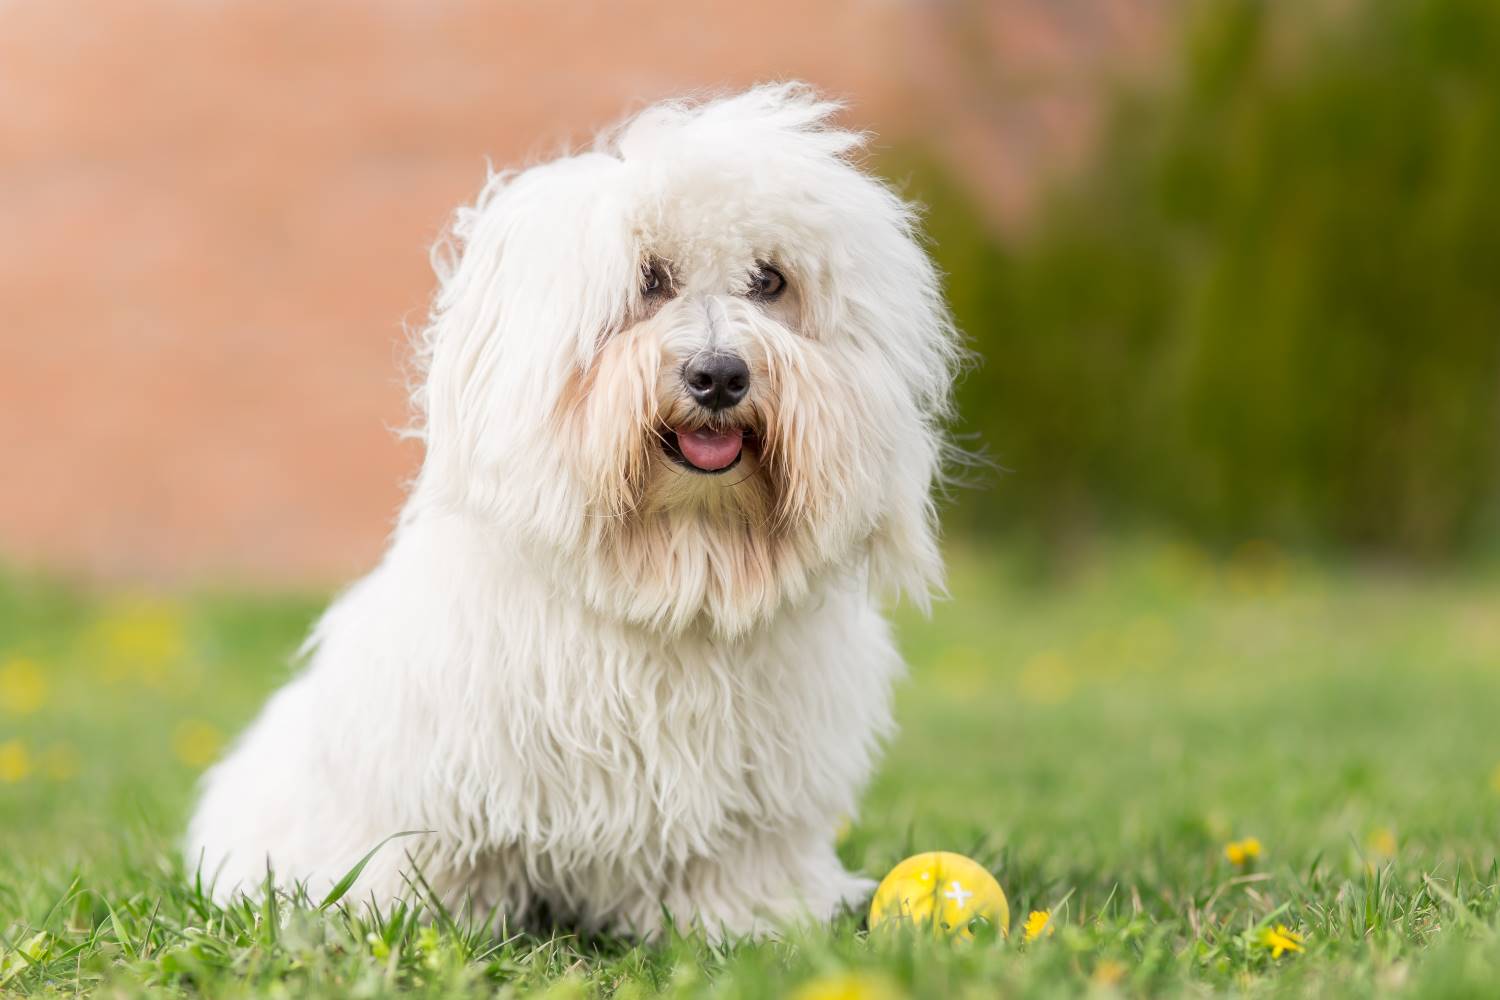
(1109, 972)
(15, 762)
(1381, 843)
(23, 688)
(1239, 852)
(846, 986)
(1280, 939)
(196, 743)
(1038, 923)
(140, 640)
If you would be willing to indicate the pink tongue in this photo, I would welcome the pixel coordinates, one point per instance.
(710, 450)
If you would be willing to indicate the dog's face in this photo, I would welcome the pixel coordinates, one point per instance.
(695, 370)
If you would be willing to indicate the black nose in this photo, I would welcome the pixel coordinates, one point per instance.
(716, 381)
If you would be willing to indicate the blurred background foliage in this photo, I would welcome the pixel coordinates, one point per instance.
(1226, 264)
(1266, 307)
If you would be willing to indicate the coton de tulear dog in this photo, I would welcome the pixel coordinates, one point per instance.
(681, 399)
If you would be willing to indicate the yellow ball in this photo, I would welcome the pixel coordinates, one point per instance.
(942, 890)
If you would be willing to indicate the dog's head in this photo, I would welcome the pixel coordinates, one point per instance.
(696, 368)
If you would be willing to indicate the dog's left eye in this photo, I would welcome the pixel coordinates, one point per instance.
(766, 283)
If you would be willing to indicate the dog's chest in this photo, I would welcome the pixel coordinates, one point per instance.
(666, 749)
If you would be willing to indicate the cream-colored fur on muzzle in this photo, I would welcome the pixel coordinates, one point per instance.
(681, 397)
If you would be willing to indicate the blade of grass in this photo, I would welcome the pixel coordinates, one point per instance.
(343, 885)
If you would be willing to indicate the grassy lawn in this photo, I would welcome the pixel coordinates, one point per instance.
(1096, 742)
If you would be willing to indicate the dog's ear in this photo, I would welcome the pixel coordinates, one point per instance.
(529, 276)
(905, 557)
(910, 318)
(462, 346)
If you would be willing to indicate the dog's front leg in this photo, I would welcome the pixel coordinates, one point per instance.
(765, 884)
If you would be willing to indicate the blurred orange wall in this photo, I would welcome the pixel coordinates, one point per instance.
(215, 214)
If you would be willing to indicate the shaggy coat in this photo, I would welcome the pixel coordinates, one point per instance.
(624, 656)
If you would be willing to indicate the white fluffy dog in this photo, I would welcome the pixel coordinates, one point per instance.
(680, 396)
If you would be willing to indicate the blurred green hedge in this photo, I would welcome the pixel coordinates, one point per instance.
(1269, 307)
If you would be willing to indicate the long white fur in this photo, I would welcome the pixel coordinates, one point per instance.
(608, 687)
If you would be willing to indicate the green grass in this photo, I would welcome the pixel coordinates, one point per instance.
(1095, 741)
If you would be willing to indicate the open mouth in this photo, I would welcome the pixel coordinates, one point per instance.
(705, 449)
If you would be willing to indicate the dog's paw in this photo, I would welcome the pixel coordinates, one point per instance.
(857, 893)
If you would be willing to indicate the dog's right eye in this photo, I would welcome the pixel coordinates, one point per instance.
(655, 281)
